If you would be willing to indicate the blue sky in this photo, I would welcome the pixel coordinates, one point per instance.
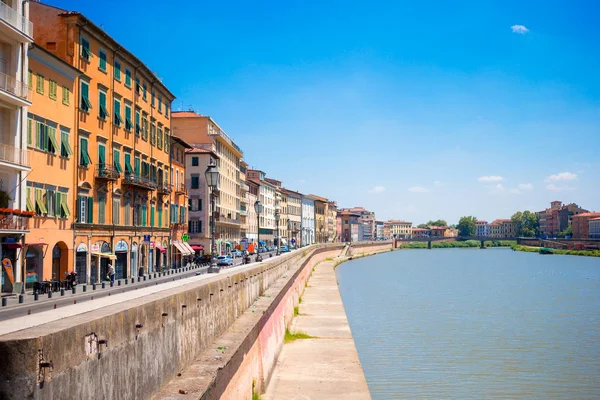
(415, 110)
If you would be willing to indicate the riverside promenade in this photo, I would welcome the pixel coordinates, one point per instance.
(325, 366)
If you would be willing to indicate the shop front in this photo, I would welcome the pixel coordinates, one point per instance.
(121, 250)
(34, 263)
(133, 257)
(81, 256)
(101, 256)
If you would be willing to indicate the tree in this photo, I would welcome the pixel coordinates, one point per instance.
(566, 232)
(467, 226)
(423, 226)
(439, 222)
(526, 223)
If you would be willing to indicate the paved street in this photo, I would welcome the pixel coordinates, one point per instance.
(14, 309)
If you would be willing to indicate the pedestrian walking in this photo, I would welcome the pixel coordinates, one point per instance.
(111, 273)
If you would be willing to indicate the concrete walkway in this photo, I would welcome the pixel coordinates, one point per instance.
(326, 366)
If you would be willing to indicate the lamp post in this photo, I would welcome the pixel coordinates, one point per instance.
(258, 207)
(212, 180)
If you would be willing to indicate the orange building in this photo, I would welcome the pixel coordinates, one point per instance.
(50, 192)
(581, 224)
(121, 138)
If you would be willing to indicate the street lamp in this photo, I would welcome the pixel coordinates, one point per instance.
(258, 207)
(277, 209)
(212, 180)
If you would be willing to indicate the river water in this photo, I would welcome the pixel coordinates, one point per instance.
(475, 324)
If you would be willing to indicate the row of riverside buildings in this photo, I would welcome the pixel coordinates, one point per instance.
(96, 168)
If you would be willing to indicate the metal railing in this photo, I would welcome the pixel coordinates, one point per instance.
(13, 86)
(140, 181)
(164, 188)
(13, 155)
(14, 18)
(225, 220)
(14, 223)
(105, 171)
(180, 189)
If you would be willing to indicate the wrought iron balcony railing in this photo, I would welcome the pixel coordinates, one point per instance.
(139, 181)
(105, 171)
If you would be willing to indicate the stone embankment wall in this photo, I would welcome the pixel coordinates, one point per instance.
(132, 350)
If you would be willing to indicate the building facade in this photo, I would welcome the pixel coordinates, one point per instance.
(201, 131)
(308, 220)
(16, 33)
(180, 205)
(368, 217)
(400, 229)
(482, 228)
(351, 226)
(50, 191)
(244, 205)
(321, 228)
(331, 222)
(122, 144)
(267, 193)
(253, 189)
(421, 233)
(594, 228)
(581, 224)
(294, 213)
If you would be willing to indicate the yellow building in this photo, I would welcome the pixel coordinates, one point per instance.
(50, 190)
(399, 229)
(321, 226)
(122, 143)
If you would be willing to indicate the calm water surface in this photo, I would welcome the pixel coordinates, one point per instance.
(475, 324)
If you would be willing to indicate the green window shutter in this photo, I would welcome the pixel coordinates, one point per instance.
(90, 210)
(159, 138)
(29, 132)
(128, 168)
(40, 84)
(102, 210)
(52, 89)
(167, 110)
(117, 112)
(29, 203)
(102, 156)
(65, 149)
(117, 70)
(52, 142)
(85, 105)
(102, 105)
(85, 49)
(153, 97)
(138, 128)
(137, 167)
(65, 95)
(160, 217)
(102, 61)
(152, 215)
(128, 124)
(127, 77)
(85, 156)
(117, 160)
(44, 136)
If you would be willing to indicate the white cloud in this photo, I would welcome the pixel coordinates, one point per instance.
(377, 189)
(496, 189)
(514, 191)
(437, 183)
(563, 176)
(418, 189)
(490, 178)
(553, 188)
(499, 187)
(520, 29)
(525, 186)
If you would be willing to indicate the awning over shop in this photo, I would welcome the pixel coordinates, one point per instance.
(162, 249)
(105, 255)
(183, 250)
(262, 243)
(13, 245)
(283, 242)
(195, 247)
(188, 247)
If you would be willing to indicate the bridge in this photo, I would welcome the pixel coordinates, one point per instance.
(430, 239)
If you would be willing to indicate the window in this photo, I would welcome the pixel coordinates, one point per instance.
(101, 208)
(86, 54)
(152, 134)
(182, 218)
(167, 141)
(138, 127)
(117, 160)
(159, 137)
(103, 113)
(152, 99)
(40, 84)
(190, 204)
(30, 79)
(52, 145)
(137, 167)
(65, 146)
(128, 123)
(116, 211)
(128, 168)
(195, 161)
(195, 181)
(166, 110)
(84, 156)
(62, 205)
(102, 60)
(160, 215)
(127, 77)
(199, 205)
(29, 131)
(85, 100)
(40, 205)
(145, 128)
(152, 215)
(50, 203)
(85, 208)
(144, 91)
(101, 156)
(117, 72)
(53, 89)
(137, 85)
(159, 104)
(117, 111)
(41, 136)
(65, 95)
(127, 212)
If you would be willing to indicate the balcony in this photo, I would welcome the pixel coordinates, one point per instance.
(180, 189)
(108, 172)
(14, 24)
(244, 186)
(13, 91)
(141, 182)
(163, 188)
(229, 221)
(13, 157)
(14, 223)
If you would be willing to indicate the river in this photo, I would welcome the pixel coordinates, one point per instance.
(475, 324)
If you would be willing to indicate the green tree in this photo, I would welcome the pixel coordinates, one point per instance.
(439, 222)
(566, 232)
(526, 223)
(467, 226)
(423, 226)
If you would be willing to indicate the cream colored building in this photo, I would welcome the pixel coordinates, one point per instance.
(201, 131)
(294, 215)
(401, 229)
(244, 205)
(331, 220)
(266, 194)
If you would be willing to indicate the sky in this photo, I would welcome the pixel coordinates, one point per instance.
(415, 110)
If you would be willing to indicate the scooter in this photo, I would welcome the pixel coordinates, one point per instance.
(71, 279)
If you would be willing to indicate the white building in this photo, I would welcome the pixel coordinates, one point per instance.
(308, 221)
(594, 226)
(482, 228)
(266, 195)
(16, 33)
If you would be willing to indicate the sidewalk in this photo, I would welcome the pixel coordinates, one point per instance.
(326, 366)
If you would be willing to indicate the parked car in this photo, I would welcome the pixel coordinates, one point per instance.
(272, 248)
(284, 249)
(263, 249)
(236, 254)
(224, 260)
